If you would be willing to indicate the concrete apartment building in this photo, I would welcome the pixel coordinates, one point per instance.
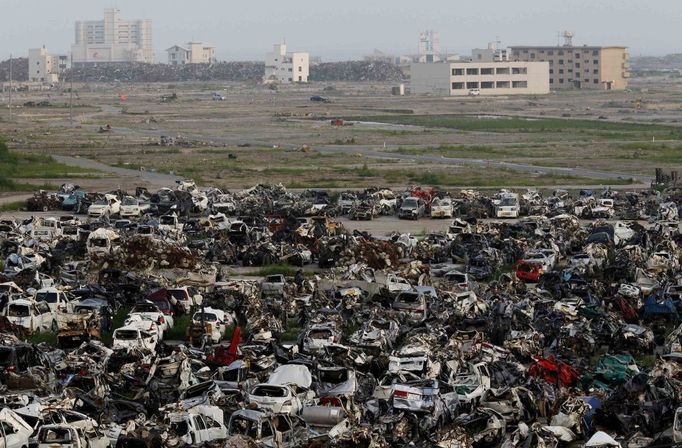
(585, 67)
(44, 67)
(480, 78)
(285, 68)
(113, 40)
(191, 53)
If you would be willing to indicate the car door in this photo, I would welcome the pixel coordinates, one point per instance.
(43, 316)
(201, 430)
(215, 430)
(10, 437)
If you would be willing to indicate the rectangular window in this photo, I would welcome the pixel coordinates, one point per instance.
(561, 80)
(542, 51)
(532, 55)
(577, 65)
(457, 71)
(525, 51)
(570, 70)
(561, 52)
(457, 86)
(596, 81)
(487, 71)
(551, 81)
(551, 71)
(561, 62)
(587, 80)
(595, 62)
(300, 79)
(472, 71)
(561, 71)
(487, 85)
(300, 69)
(503, 84)
(595, 71)
(502, 70)
(519, 70)
(550, 53)
(516, 53)
(472, 85)
(519, 84)
(595, 53)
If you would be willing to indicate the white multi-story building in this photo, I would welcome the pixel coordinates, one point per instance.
(113, 40)
(429, 46)
(480, 78)
(44, 67)
(282, 67)
(191, 53)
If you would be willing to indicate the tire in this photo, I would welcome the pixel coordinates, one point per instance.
(46, 208)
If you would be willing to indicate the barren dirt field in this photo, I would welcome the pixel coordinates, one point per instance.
(259, 135)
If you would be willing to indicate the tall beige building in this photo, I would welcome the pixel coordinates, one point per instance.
(285, 67)
(113, 40)
(45, 67)
(585, 67)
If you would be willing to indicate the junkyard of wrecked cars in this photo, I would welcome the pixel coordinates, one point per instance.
(198, 317)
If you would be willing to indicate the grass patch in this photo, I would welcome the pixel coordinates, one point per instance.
(34, 166)
(179, 330)
(47, 337)
(473, 123)
(291, 331)
(274, 269)
(13, 206)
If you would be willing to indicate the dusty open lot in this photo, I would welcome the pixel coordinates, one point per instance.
(259, 135)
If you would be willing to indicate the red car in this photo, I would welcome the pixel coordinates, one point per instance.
(528, 272)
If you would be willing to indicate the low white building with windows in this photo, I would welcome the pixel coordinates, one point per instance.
(191, 53)
(480, 78)
(285, 68)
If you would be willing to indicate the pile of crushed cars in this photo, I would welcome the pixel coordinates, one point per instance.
(159, 328)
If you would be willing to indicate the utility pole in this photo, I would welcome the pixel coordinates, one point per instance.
(71, 93)
(10, 87)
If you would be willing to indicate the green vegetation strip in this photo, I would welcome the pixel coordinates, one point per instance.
(14, 165)
(519, 124)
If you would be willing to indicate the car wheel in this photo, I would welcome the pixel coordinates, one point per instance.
(45, 208)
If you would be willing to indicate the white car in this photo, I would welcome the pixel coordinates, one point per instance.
(441, 208)
(15, 430)
(33, 316)
(544, 257)
(216, 320)
(133, 337)
(148, 311)
(55, 299)
(276, 398)
(201, 424)
(70, 436)
(146, 324)
(108, 206)
(474, 92)
(133, 208)
(184, 298)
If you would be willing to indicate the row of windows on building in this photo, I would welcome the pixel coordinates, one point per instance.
(559, 52)
(490, 85)
(490, 71)
(561, 80)
(570, 70)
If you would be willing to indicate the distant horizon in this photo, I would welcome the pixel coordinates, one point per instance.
(249, 31)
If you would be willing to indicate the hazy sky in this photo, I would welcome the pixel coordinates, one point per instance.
(351, 28)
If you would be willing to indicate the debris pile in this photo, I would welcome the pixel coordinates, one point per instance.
(555, 324)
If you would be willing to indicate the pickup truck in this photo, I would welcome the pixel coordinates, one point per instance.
(31, 315)
(74, 329)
